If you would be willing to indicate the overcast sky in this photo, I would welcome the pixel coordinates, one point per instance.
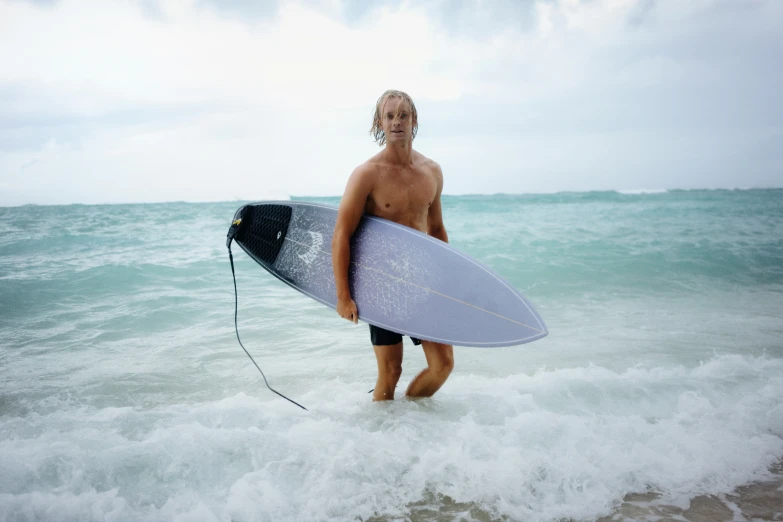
(209, 100)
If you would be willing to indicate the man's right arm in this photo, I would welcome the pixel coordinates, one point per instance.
(349, 214)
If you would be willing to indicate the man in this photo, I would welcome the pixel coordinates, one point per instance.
(401, 185)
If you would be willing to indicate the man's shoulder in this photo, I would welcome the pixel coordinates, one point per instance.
(364, 168)
(427, 163)
(369, 167)
(365, 175)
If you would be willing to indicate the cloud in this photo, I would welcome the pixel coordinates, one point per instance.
(243, 9)
(168, 99)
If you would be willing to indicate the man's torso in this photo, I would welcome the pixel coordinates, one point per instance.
(403, 194)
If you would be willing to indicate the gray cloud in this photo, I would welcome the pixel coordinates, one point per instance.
(669, 96)
(41, 3)
(151, 9)
(249, 10)
(27, 121)
(641, 12)
(475, 19)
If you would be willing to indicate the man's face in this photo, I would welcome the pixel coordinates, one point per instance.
(396, 120)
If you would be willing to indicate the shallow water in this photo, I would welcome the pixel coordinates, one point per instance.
(125, 396)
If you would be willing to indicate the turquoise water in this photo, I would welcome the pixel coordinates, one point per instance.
(125, 396)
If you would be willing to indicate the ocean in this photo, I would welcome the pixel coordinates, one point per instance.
(125, 396)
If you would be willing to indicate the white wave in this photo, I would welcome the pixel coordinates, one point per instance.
(555, 444)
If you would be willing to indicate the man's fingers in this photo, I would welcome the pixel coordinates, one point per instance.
(349, 313)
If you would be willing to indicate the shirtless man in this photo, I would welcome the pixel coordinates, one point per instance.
(401, 185)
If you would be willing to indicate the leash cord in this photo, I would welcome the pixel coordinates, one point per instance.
(236, 327)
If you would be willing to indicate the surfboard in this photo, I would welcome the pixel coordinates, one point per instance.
(401, 279)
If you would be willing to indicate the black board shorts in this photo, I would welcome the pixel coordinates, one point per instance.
(382, 337)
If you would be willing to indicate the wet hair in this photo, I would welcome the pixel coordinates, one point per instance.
(377, 127)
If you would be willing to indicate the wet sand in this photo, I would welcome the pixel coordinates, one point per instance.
(755, 502)
(758, 501)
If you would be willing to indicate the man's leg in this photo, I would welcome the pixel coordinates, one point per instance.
(389, 358)
(440, 362)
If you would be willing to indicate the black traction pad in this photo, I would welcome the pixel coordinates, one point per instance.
(262, 230)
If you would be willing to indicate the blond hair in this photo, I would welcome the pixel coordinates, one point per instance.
(377, 127)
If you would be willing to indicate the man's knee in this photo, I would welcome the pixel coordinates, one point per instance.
(389, 361)
(445, 366)
(390, 369)
(442, 362)
(393, 370)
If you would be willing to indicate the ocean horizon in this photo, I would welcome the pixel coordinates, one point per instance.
(294, 197)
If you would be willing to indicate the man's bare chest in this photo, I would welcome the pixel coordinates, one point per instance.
(408, 190)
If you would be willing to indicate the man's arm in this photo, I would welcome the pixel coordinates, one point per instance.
(435, 226)
(357, 190)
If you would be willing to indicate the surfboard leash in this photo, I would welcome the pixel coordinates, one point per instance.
(232, 232)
